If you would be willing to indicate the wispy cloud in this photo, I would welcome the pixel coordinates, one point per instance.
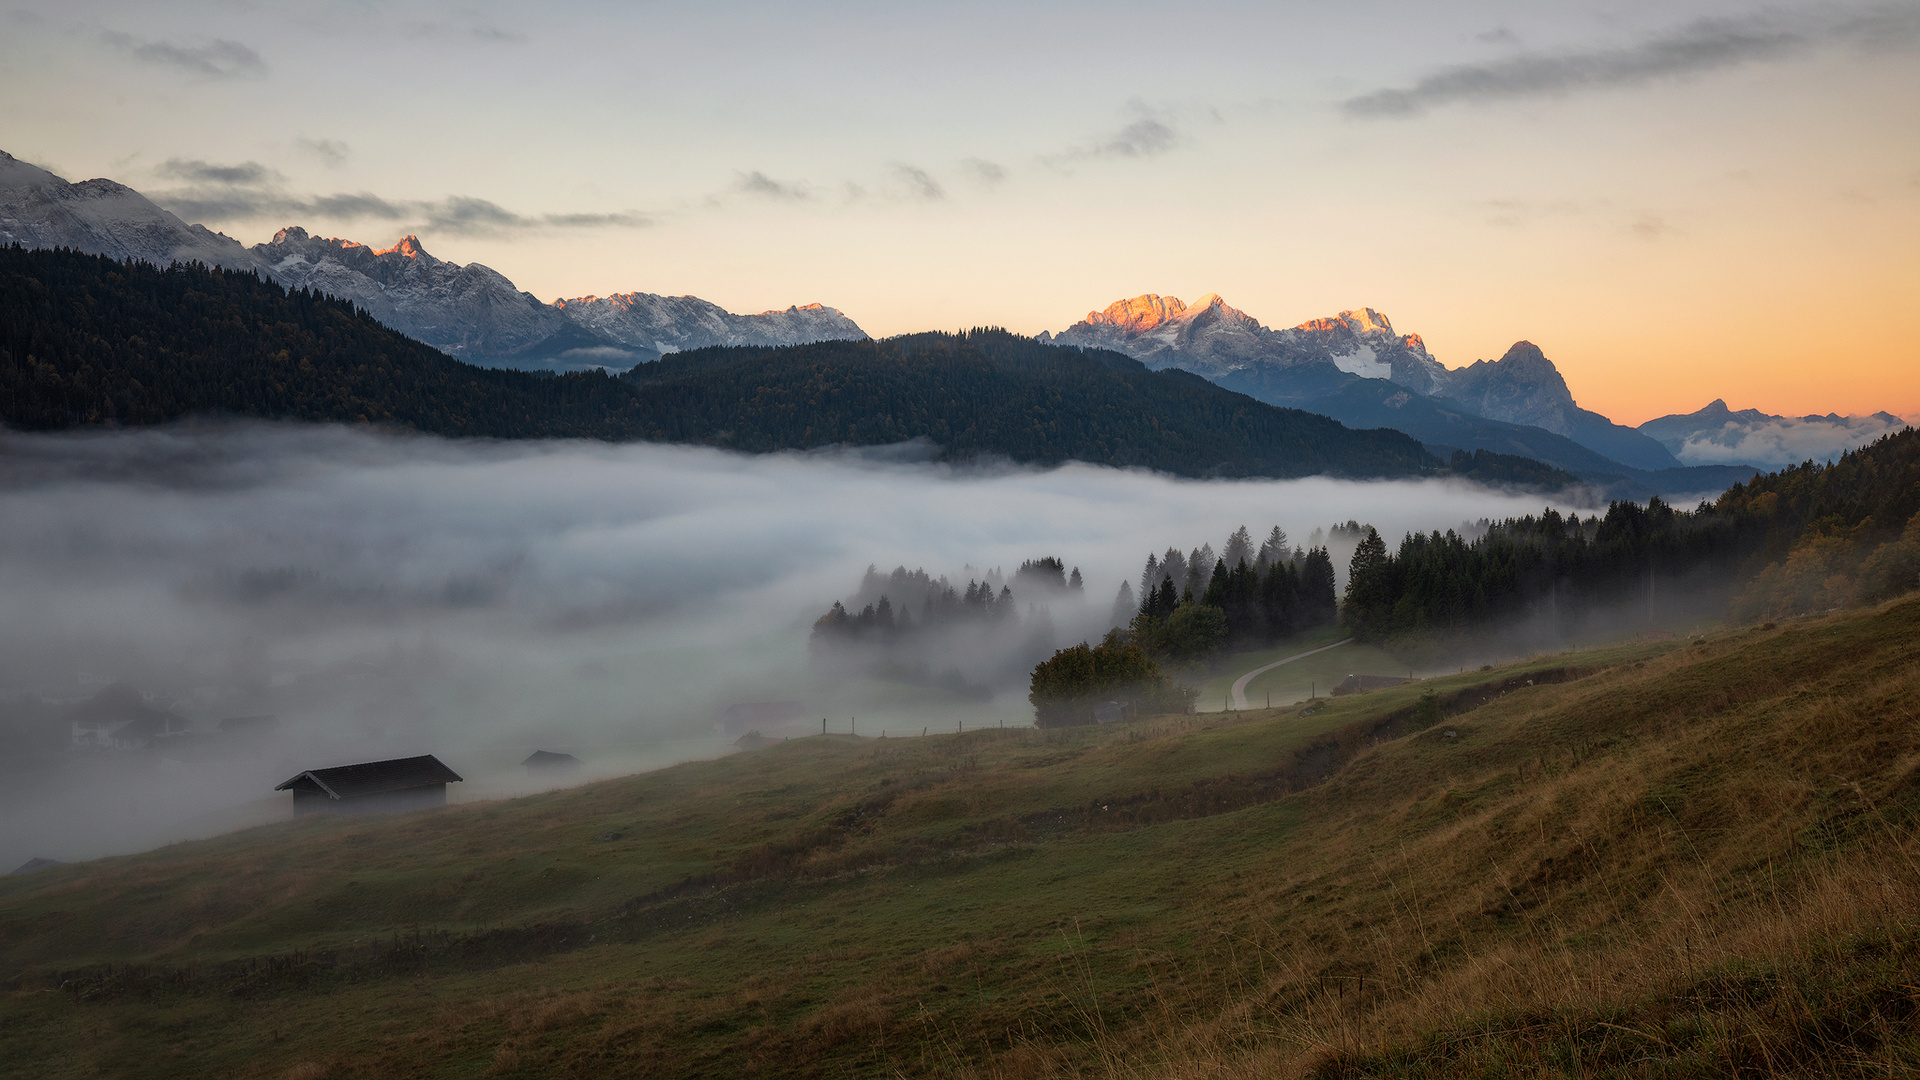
(247, 173)
(217, 59)
(211, 192)
(984, 171)
(331, 152)
(918, 184)
(760, 184)
(1152, 133)
(1697, 48)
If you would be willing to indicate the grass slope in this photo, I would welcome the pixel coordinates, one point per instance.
(1662, 859)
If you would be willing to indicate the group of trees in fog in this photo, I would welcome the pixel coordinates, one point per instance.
(1190, 606)
(1546, 566)
(894, 606)
(1800, 540)
(1194, 604)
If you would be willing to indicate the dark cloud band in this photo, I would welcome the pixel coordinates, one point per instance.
(1698, 48)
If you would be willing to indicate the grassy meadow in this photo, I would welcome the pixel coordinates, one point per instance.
(1687, 858)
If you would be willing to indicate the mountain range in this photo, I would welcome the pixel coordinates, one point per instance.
(470, 312)
(1357, 369)
(1353, 367)
(1718, 434)
(1306, 365)
(90, 341)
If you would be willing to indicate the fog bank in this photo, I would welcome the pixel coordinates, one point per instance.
(379, 595)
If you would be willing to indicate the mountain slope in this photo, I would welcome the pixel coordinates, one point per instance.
(85, 340)
(1649, 860)
(1232, 348)
(1717, 433)
(471, 312)
(100, 217)
(1523, 387)
(1212, 339)
(990, 392)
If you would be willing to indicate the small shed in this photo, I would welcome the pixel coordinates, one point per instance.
(372, 787)
(549, 763)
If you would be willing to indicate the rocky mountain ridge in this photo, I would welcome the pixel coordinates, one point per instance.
(1717, 434)
(471, 311)
(1222, 343)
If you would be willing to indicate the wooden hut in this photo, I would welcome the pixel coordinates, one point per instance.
(372, 787)
(549, 763)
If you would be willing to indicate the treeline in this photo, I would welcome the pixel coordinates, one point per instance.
(1803, 539)
(889, 607)
(1195, 604)
(1845, 533)
(1191, 606)
(990, 392)
(85, 340)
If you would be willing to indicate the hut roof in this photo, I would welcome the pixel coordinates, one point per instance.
(373, 777)
(548, 757)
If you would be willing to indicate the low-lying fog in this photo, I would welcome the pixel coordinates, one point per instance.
(379, 595)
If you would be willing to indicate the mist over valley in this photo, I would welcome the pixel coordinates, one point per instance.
(381, 595)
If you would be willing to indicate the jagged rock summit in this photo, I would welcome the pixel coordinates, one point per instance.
(1717, 434)
(664, 324)
(1212, 338)
(469, 311)
(1318, 358)
(101, 217)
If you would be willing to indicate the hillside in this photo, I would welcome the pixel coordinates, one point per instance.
(85, 340)
(991, 392)
(1675, 858)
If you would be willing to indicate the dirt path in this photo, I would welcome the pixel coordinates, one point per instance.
(1240, 684)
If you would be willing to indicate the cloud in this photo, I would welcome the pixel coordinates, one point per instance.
(1152, 133)
(387, 595)
(919, 185)
(217, 59)
(1651, 226)
(1145, 137)
(764, 186)
(247, 173)
(1703, 46)
(984, 171)
(251, 191)
(331, 152)
(1779, 441)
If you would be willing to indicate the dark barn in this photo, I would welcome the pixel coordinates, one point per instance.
(373, 787)
(549, 763)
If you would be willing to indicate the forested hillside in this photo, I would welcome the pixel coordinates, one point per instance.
(85, 340)
(88, 341)
(991, 392)
(1800, 540)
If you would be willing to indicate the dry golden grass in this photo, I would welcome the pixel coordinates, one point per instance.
(1688, 860)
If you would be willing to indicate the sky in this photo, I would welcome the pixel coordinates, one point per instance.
(1676, 201)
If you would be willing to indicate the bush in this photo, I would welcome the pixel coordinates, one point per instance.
(1069, 687)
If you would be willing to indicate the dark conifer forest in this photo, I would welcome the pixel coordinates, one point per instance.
(85, 340)
(1800, 540)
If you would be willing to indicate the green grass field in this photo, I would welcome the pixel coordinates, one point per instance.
(1488, 873)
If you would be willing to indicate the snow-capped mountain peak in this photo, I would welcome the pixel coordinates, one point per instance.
(408, 248)
(1138, 315)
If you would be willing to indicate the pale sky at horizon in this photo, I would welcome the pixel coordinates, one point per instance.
(1677, 202)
